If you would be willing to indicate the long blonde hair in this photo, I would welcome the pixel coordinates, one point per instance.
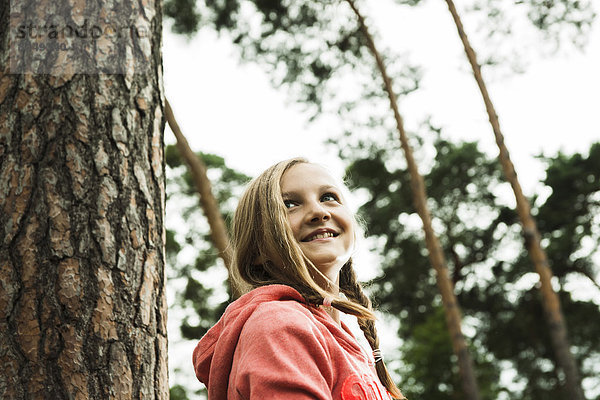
(266, 252)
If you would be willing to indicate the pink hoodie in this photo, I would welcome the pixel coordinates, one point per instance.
(270, 344)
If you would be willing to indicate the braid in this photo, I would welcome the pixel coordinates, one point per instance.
(351, 287)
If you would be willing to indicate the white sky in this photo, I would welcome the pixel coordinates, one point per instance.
(231, 109)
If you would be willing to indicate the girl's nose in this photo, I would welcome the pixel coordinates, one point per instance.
(318, 213)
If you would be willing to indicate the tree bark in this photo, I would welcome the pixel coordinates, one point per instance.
(197, 168)
(436, 255)
(82, 285)
(550, 300)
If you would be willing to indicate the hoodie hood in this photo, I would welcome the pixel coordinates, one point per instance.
(213, 355)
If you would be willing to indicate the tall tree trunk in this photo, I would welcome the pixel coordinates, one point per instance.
(436, 255)
(197, 168)
(82, 285)
(550, 300)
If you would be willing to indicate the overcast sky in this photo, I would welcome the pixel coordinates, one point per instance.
(233, 110)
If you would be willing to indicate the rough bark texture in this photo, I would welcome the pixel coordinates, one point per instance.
(550, 300)
(82, 285)
(436, 255)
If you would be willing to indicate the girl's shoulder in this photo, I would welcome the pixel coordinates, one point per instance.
(277, 315)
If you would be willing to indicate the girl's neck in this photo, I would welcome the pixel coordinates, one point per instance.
(331, 286)
(334, 314)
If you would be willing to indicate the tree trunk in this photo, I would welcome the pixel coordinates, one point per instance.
(550, 300)
(82, 285)
(197, 168)
(436, 255)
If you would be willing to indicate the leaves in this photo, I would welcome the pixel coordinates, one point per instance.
(202, 297)
(491, 271)
(186, 19)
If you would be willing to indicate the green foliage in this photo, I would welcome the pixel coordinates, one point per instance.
(488, 264)
(569, 215)
(467, 213)
(307, 47)
(204, 303)
(429, 347)
(550, 25)
(186, 19)
(568, 221)
(178, 392)
(552, 16)
(567, 21)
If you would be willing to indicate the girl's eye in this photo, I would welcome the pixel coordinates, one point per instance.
(289, 203)
(330, 197)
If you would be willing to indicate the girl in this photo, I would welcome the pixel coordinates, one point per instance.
(293, 236)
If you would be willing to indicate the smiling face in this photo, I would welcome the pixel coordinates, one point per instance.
(320, 221)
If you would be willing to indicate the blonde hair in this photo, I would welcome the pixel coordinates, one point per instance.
(266, 252)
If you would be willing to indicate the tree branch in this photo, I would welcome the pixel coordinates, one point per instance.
(197, 168)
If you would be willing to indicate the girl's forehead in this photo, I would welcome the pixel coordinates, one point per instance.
(306, 174)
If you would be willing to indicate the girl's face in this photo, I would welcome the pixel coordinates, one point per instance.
(320, 221)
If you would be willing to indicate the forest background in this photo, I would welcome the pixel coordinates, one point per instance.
(250, 115)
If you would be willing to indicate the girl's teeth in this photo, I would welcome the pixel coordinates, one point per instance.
(322, 236)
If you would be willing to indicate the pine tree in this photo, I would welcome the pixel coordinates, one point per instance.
(82, 271)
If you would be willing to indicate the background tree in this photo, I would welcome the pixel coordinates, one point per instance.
(480, 237)
(459, 175)
(196, 272)
(550, 300)
(82, 272)
(436, 256)
(197, 168)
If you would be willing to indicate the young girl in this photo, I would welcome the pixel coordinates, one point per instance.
(293, 236)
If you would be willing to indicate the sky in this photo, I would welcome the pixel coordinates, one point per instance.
(231, 109)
